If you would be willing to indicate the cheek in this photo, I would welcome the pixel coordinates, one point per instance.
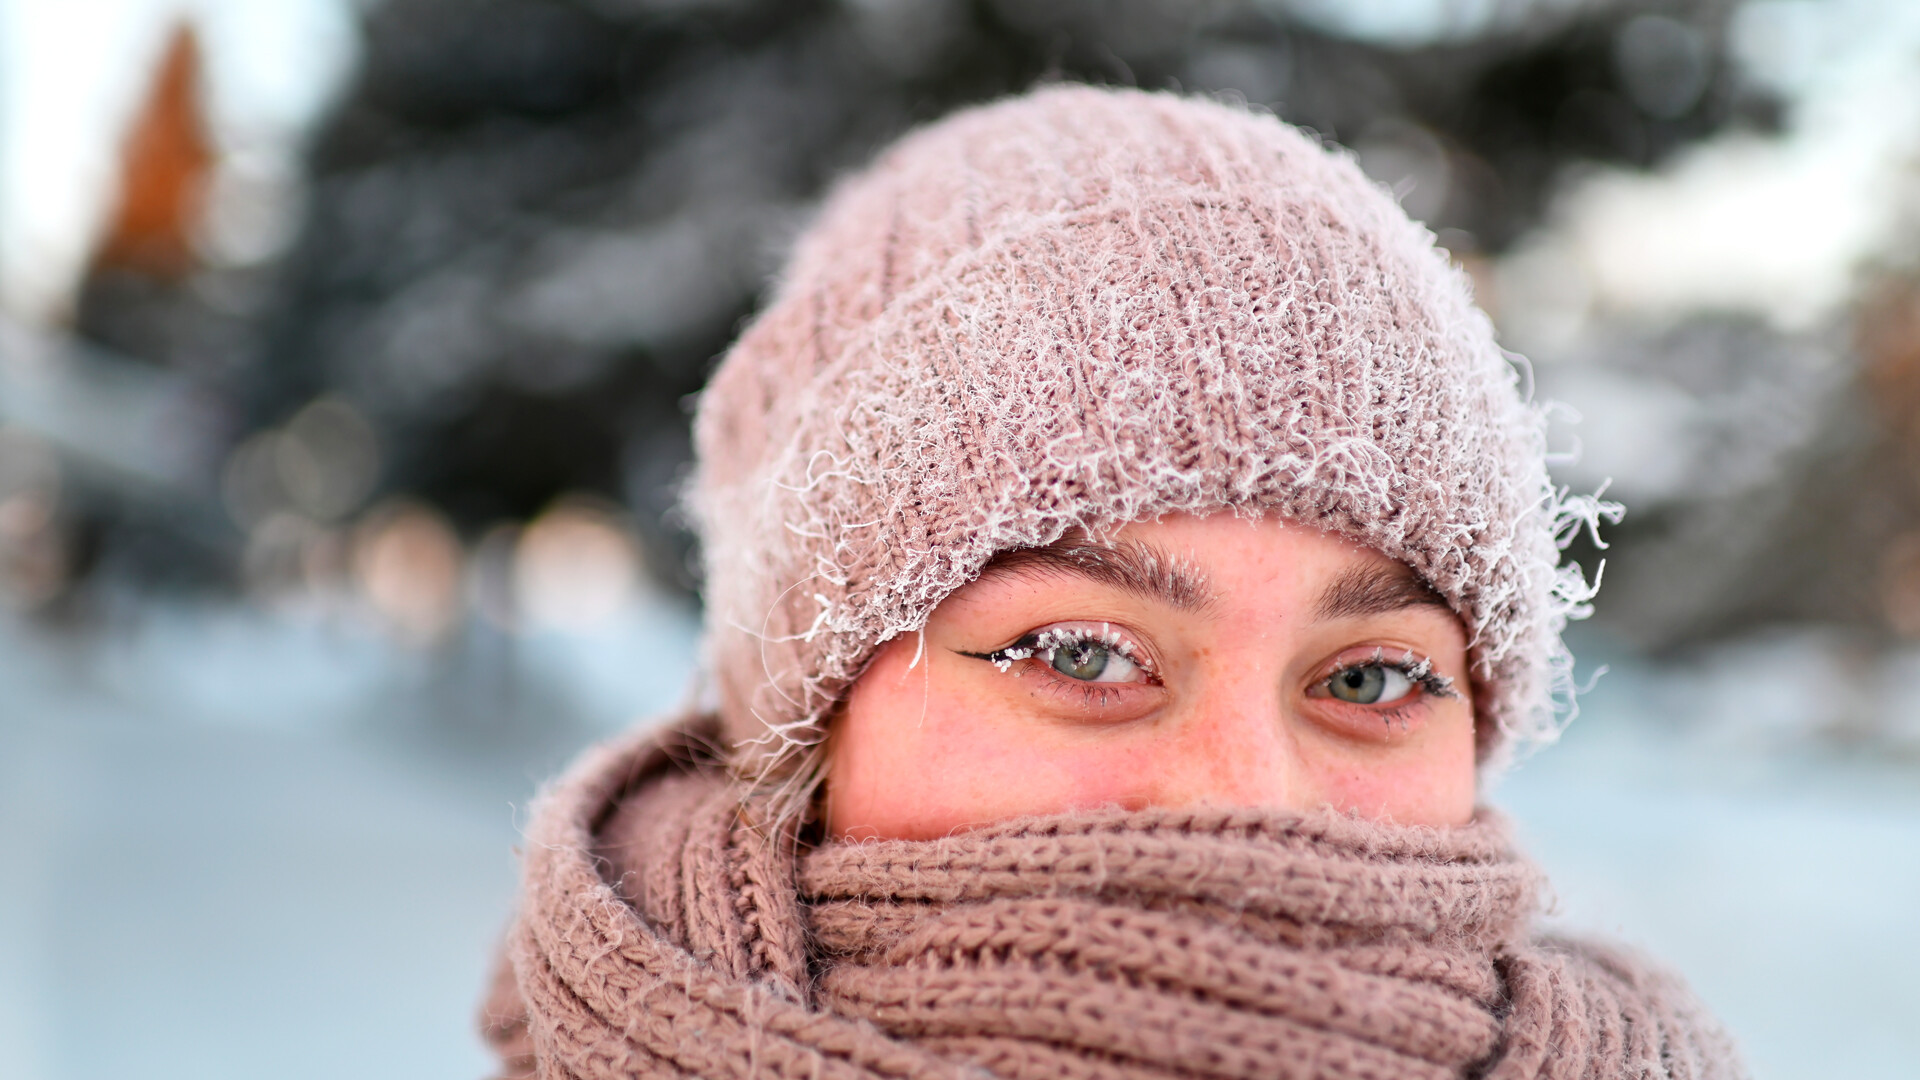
(912, 755)
(1429, 782)
(919, 753)
(869, 753)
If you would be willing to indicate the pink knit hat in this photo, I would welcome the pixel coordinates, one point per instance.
(1085, 307)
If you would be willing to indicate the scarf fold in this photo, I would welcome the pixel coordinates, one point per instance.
(661, 933)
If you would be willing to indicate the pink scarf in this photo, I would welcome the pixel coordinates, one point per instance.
(662, 934)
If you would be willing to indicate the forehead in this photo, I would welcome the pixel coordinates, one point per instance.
(1209, 564)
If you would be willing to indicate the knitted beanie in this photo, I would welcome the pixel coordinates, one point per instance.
(1085, 307)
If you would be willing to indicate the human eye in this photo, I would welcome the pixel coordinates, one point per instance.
(1085, 654)
(1381, 680)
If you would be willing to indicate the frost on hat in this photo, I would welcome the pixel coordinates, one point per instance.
(1084, 307)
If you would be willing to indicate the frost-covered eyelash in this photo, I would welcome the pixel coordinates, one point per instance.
(1046, 642)
(1417, 669)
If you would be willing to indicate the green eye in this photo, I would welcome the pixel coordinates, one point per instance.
(1085, 660)
(1370, 684)
(1092, 660)
(1080, 655)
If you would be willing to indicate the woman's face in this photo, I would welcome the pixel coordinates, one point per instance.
(1187, 661)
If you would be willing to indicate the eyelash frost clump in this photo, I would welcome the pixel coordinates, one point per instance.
(1418, 669)
(1045, 643)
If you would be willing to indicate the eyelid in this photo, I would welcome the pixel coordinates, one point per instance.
(1413, 665)
(1069, 631)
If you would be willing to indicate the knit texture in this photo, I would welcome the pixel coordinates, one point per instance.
(1086, 307)
(663, 934)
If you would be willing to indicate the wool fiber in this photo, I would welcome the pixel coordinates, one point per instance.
(1085, 307)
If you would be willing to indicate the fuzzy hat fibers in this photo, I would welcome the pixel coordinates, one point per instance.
(1085, 307)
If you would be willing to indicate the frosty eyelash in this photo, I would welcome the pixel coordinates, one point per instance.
(1417, 669)
(1044, 644)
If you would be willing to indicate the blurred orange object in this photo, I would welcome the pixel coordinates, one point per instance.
(164, 170)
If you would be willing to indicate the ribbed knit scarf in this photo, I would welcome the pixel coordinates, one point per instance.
(663, 934)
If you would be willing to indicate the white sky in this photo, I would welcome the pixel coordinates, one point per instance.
(73, 71)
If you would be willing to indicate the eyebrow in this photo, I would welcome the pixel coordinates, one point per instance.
(1379, 588)
(1130, 565)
